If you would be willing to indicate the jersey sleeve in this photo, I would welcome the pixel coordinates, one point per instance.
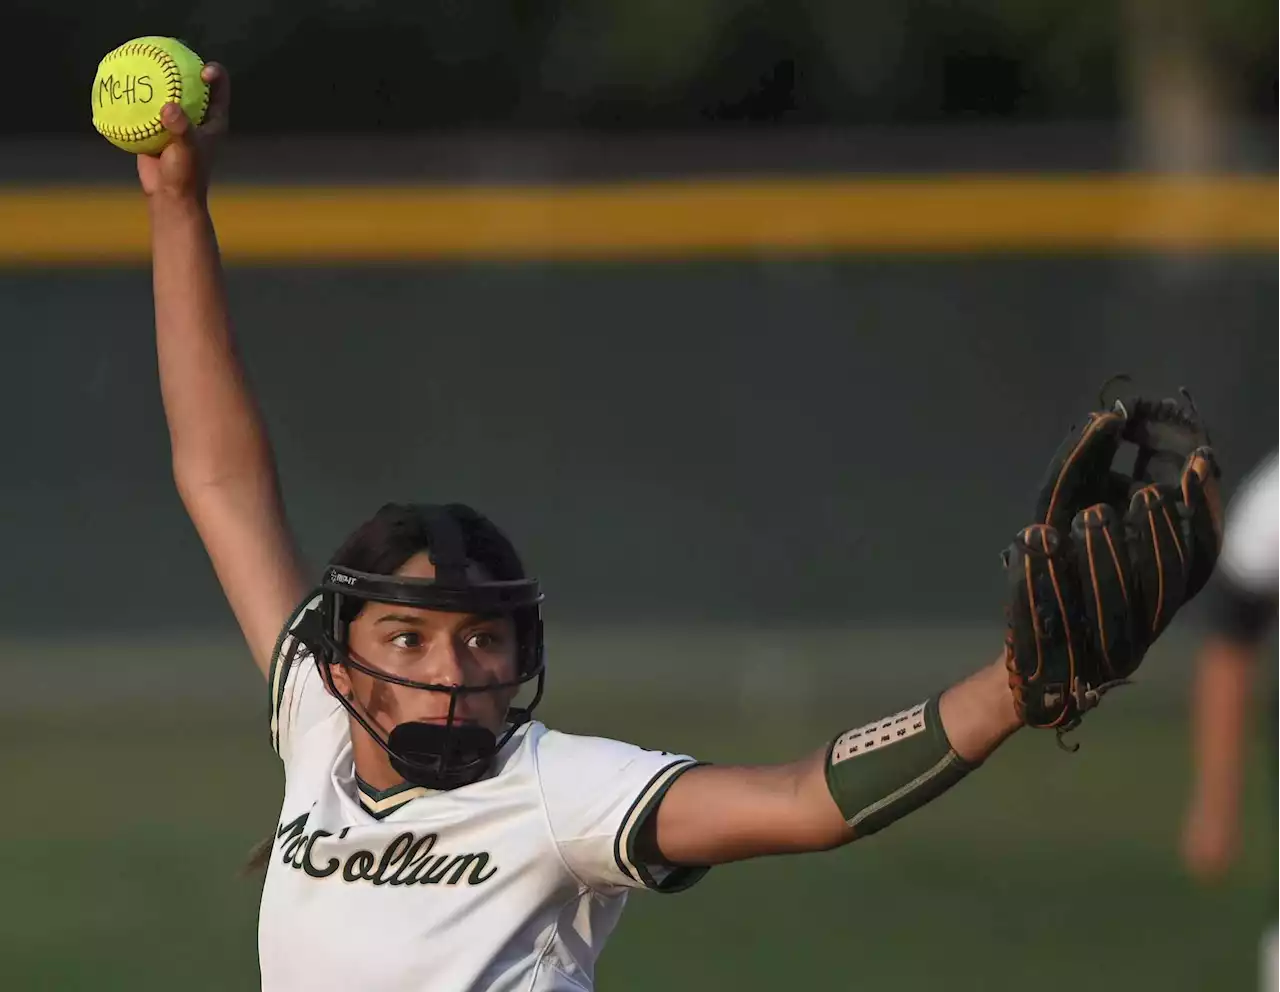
(1242, 596)
(297, 696)
(598, 794)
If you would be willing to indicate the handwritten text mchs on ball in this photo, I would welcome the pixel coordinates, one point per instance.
(127, 89)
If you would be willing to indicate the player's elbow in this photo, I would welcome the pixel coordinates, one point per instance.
(817, 823)
(827, 837)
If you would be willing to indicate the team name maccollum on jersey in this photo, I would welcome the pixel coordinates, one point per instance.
(510, 884)
(409, 859)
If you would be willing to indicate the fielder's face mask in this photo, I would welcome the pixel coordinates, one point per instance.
(437, 756)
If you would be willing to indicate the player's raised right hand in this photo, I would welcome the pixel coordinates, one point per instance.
(181, 170)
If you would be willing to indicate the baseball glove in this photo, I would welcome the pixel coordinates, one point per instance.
(1112, 555)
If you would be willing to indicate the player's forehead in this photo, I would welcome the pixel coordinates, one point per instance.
(392, 614)
(420, 566)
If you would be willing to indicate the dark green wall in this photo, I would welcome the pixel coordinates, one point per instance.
(826, 440)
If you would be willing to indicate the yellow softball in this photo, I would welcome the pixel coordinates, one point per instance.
(135, 81)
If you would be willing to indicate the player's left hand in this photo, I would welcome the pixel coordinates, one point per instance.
(181, 170)
(1112, 556)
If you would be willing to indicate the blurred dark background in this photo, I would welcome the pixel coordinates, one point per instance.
(766, 485)
(391, 65)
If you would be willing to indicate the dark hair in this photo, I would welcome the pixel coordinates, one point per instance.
(398, 531)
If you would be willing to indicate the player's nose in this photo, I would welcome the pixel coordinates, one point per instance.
(444, 663)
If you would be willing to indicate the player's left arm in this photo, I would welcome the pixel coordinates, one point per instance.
(856, 785)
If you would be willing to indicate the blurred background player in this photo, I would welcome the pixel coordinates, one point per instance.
(1242, 613)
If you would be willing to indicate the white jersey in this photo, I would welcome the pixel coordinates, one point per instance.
(1242, 604)
(511, 883)
(1250, 558)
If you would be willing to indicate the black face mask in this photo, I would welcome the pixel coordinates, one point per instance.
(442, 757)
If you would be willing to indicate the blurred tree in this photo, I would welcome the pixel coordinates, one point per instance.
(1175, 97)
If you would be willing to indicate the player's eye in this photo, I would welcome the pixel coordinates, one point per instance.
(407, 639)
(485, 640)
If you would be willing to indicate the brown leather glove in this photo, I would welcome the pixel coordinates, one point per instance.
(1112, 555)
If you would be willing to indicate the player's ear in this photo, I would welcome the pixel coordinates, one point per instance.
(339, 682)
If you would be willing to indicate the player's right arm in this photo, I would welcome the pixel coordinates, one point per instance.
(223, 464)
(1241, 611)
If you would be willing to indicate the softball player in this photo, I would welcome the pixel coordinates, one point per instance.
(433, 834)
(1242, 614)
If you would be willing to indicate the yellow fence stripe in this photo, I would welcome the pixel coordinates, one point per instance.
(336, 224)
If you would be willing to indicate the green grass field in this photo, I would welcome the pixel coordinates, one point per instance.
(126, 826)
